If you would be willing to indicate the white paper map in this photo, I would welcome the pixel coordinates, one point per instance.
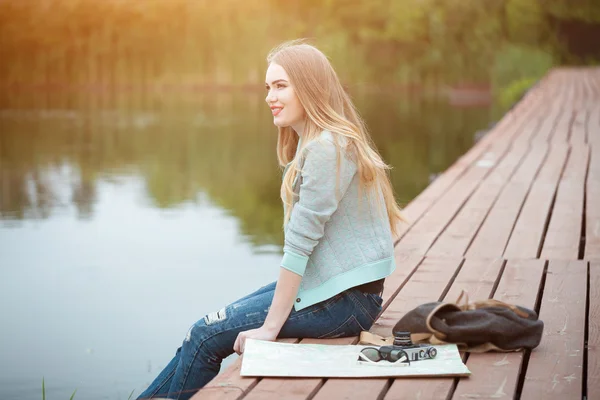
(276, 359)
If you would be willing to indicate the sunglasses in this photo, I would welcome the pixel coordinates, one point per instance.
(392, 354)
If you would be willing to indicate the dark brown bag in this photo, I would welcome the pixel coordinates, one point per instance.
(476, 327)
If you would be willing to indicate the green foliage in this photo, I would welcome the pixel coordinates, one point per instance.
(584, 10)
(516, 63)
(516, 69)
(515, 91)
(224, 43)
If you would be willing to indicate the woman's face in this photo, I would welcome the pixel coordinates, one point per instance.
(281, 98)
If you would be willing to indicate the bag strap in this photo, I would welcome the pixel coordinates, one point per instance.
(464, 297)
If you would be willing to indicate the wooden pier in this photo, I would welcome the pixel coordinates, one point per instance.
(517, 218)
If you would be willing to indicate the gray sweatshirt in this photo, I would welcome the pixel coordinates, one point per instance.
(337, 237)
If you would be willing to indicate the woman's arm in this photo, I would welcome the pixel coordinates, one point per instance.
(283, 300)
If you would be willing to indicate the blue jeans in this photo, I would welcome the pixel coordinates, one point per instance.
(211, 339)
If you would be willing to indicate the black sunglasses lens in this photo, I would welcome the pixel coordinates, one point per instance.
(398, 355)
(371, 353)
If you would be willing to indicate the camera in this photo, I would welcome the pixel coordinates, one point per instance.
(414, 352)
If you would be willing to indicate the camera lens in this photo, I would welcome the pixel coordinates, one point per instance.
(402, 339)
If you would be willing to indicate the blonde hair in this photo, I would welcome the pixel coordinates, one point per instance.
(328, 107)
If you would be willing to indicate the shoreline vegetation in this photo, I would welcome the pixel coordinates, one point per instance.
(74, 392)
(413, 45)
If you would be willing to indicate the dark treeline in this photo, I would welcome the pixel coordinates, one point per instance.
(379, 42)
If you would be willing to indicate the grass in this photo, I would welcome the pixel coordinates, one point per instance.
(73, 395)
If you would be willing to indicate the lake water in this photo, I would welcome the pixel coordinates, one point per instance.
(124, 218)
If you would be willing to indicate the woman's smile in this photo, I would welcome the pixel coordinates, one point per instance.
(276, 110)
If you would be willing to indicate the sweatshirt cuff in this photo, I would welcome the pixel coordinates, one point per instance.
(294, 262)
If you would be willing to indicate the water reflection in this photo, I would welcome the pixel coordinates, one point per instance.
(221, 145)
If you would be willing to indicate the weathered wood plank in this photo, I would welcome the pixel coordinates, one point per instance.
(593, 345)
(593, 125)
(423, 231)
(344, 389)
(563, 236)
(547, 127)
(420, 237)
(423, 202)
(294, 388)
(578, 130)
(525, 240)
(592, 212)
(455, 239)
(405, 266)
(230, 385)
(493, 235)
(495, 375)
(555, 369)
(477, 277)
(426, 285)
(563, 126)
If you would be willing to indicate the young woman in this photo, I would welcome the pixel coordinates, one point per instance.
(339, 218)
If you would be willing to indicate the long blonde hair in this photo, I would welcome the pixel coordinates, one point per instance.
(328, 107)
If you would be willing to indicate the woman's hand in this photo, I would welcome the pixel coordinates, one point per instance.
(261, 333)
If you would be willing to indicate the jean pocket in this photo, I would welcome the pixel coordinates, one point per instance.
(350, 327)
(377, 299)
(369, 305)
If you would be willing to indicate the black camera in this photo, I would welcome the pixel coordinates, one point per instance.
(414, 352)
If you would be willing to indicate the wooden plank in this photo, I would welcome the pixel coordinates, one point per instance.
(405, 267)
(495, 375)
(555, 369)
(584, 93)
(578, 134)
(571, 92)
(493, 235)
(477, 277)
(294, 388)
(422, 235)
(593, 344)
(426, 285)
(563, 236)
(423, 202)
(229, 384)
(563, 125)
(525, 240)
(593, 125)
(592, 212)
(350, 389)
(547, 126)
(578, 90)
(455, 239)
